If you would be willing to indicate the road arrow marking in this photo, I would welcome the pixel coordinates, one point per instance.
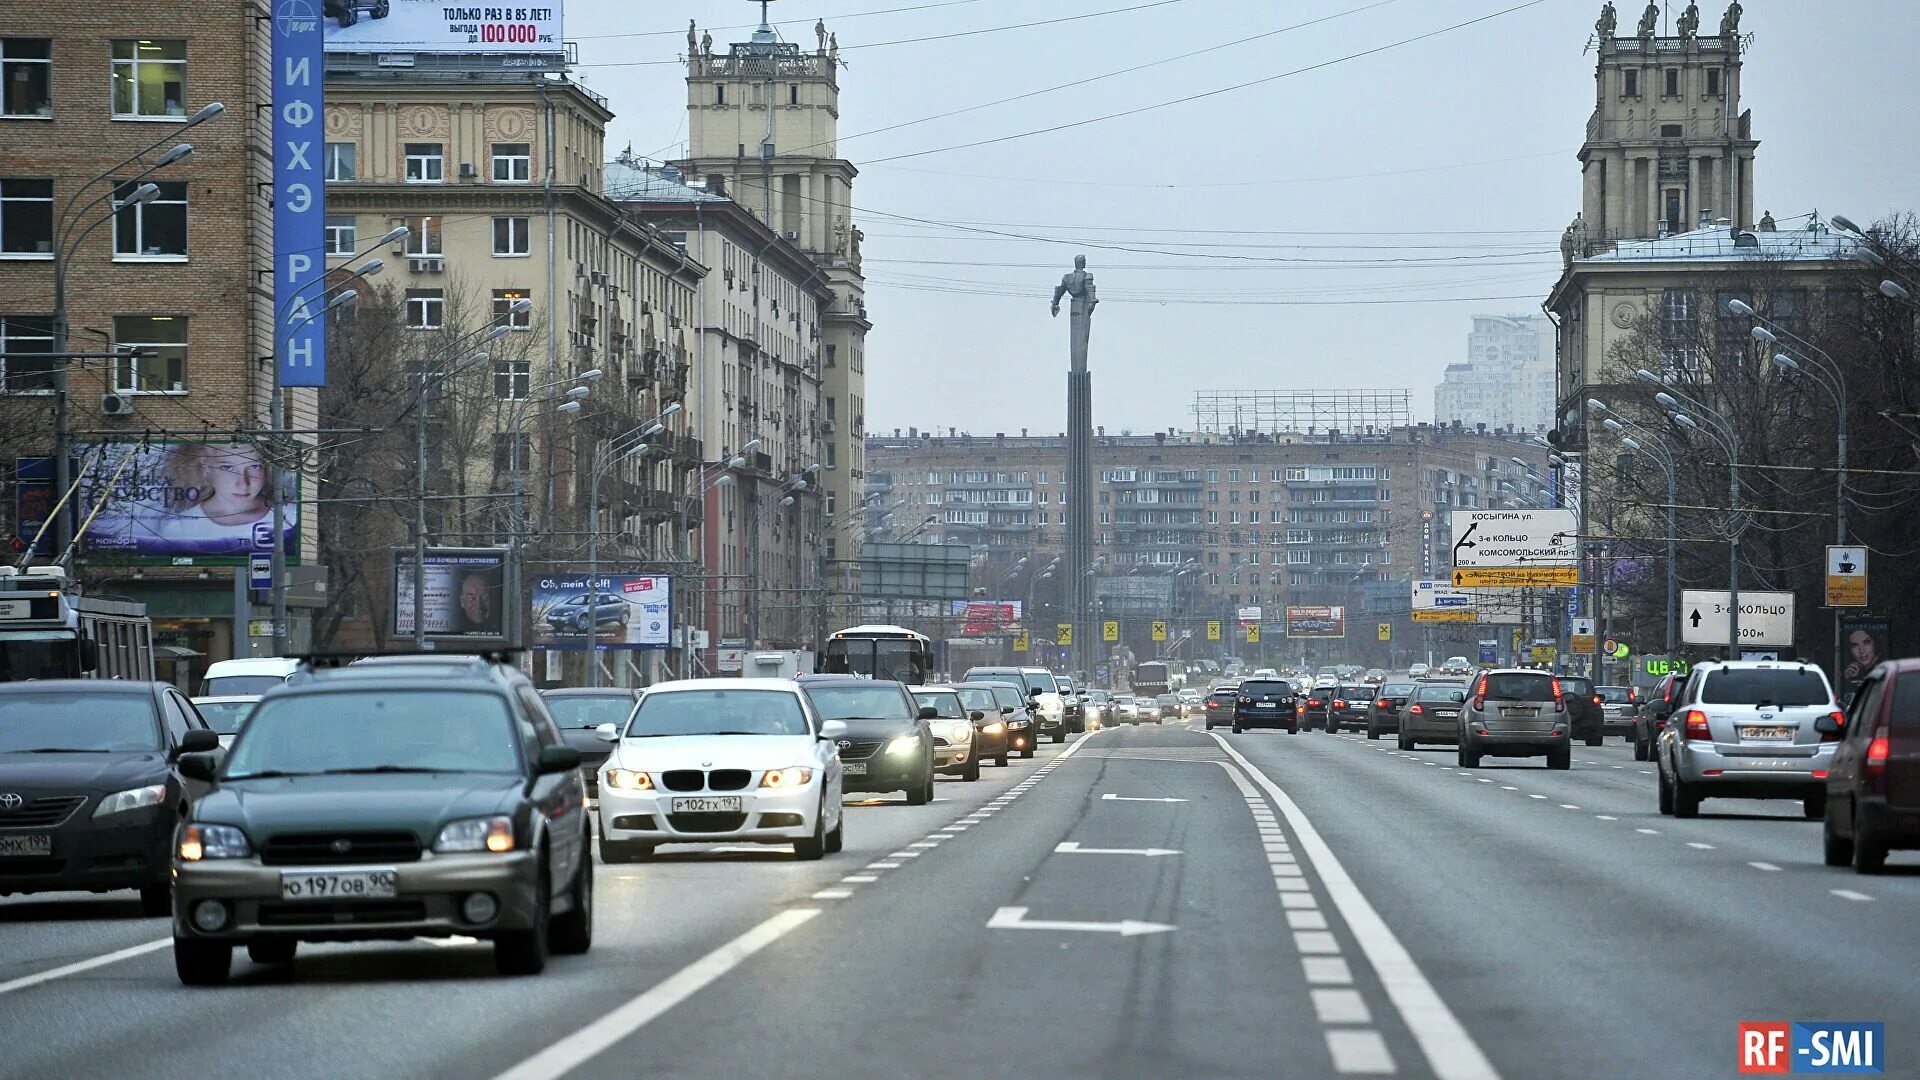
(1130, 798)
(1068, 847)
(1015, 918)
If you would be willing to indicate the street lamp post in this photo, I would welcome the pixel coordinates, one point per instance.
(1720, 430)
(636, 442)
(1665, 458)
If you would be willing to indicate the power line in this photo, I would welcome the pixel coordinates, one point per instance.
(786, 22)
(1184, 185)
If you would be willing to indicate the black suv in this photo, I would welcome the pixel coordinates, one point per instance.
(1348, 707)
(1265, 703)
(1585, 709)
(397, 800)
(888, 745)
(89, 791)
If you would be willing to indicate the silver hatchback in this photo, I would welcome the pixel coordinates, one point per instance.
(1745, 730)
(1516, 712)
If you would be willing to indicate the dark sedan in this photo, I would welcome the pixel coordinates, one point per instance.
(1654, 713)
(578, 711)
(89, 790)
(1349, 706)
(1220, 704)
(1383, 713)
(888, 745)
(1314, 707)
(1873, 788)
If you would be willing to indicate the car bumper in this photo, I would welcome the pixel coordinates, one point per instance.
(1892, 825)
(1519, 743)
(1266, 718)
(1619, 725)
(125, 851)
(885, 772)
(427, 900)
(769, 816)
(1380, 720)
(1764, 776)
(952, 757)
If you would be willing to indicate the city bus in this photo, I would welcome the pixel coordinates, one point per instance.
(879, 652)
(48, 630)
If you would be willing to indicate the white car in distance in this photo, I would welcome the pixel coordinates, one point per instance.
(730, 761)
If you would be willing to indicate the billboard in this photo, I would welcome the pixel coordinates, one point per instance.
(1866, 639)
(914, 571)
(465, 593)
(986, 616)
(435, 26)
(1316, 622)
(608, 611)
(206, 502)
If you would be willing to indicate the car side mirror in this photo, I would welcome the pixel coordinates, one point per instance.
(928, 712)
(197, 741)
(978, 716)
(557, 759)
(198, 766)
(1827, 725)
(833, 729)
(89, 654)
(1006, 710)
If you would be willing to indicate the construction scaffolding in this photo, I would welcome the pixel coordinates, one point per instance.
(1301, 412)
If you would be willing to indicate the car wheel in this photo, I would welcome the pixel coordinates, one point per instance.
(837, 839)
(1596, 739)
(202, 963)
(1373, 732)
(1209, 725)
(1027, 750)
(1666, 793)
(1686, 799)
(1236, 728)
(1561, 759)
(922, 794)
(156, 901)
(572, 933)
(972, 771)
(815, 846)
(1835, 850)
(348, 16)
(1641, 751)
(272, 950)
(1814, 807)
(1869, 851)
(1001, 760)
(1059, 736)
(524, 952)
(1469, 757)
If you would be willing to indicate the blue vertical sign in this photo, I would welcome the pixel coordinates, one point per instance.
(299, 213)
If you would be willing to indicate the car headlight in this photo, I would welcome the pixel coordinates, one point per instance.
(903, 745)
(994, 728)
(628, 780)
(796, 776)
(963, 733)
(199, 842)
(131, 799)
(475, 834)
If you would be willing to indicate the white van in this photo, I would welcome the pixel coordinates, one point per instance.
(253, 675)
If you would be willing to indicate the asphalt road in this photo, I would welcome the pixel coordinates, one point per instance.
(1151, 903)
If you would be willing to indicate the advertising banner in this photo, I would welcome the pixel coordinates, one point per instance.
(299, 211)
(1316, 622)
(986, 616)
(1866, 638)
(624, 611)
(435, 26)
(207, 503)
(465, 591)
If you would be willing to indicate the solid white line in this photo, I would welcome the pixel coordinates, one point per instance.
(1341, 1007)
(1849, 894)
(1359, 1053)
(79, 966)
(1764, 866)
(589, 1042)
(1450, 1050)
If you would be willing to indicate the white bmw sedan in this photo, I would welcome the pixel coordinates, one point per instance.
(721, 761)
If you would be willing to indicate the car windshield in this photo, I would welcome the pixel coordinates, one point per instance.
(236, 685)
(47, 721)
(1002, 675)
(1765, 686)
(1616, 695)
(224, 717)
(946, 705)
(377, 730)
(1007, 695)
(574, 712)
(1573, 684)
(859, 701)
(720, 711)
(1442, 693)
(1042, 681)
(1519, 686)
(1396, 689)
(978, 700)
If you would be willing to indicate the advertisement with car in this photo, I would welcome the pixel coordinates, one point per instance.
(1316, 622)
(608, 611)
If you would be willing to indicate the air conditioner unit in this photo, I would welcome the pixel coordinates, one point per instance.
(597, 278)
(826, 427)
(116, 405)
(793, 234)
(467, 171)
(427, 266)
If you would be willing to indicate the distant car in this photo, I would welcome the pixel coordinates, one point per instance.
(1432, 715)
(1873, 785)
(1516, 712)
(952, 731)
(581, 610)
(1348, 709)
(348, 11)
(1617, 706)
(1456, 666)
(1170, 708)
(992, 735)
(578, 712)
(1584, 707)
(1021, 726)
(887, 745)
(1315, 706)
(254, 675)
(1652, 718)
(1099, 706)
(1376, 676)
(1149, 709)
(226, 713)
(1383, 712)
(1126, 709)
(1745, 729)
(1073, 705)
(1268, 703)
(1192, 703)
(1220, 703)
(1419, 671)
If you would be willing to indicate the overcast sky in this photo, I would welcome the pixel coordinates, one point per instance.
(1317, 230)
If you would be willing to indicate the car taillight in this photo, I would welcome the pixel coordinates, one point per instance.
(1597, 700)
(1559, 697)
(1697, 725)
(1418, 710)
(1383, 703)
(1876, 764)
(1313, 703)
(1838, 718)
(1480, 693)
(1338, 704)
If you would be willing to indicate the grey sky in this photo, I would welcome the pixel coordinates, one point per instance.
(1501, 106)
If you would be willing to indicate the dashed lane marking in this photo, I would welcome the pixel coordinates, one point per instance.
(1849, 894)
(1764, 866)
(1359, 1053)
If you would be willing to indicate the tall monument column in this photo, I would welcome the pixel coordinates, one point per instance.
(1079, 287)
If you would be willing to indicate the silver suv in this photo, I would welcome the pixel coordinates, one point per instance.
(1744, 729)
(1516, 712)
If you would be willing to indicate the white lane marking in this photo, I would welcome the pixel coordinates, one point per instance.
(1616, 766)
(79, 966)
(883, 866)
(1605, 817)
(860, 879)
(1015, 918)
(1648, 832)
(1131, 798)
(1327, 970)
(1291, 884)
(1306, 920)
(1849, 894)
(905, 855)
(1298, 901)
(1359, 1053)
(589, 1042)
(1764, 866)
(1315, 942)
(1450, 1050)
(1068, 847)
(1284, 870)
(923, 844)
(1536, 796)
(832, 894)
(1508, 787)
(1568, 806)
(1340, 1007)
(1700, 846)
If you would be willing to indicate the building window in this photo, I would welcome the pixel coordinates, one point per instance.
(159, 366)
(149, 78)
(513, 380)
(26, 76)
(339, 161)
(20, 335)
(1673, 82)
(156, 229)
(1633, 83)
(425, 307)
(719, 93)
(343, 234)
(425, 163)
(1672, 131)
(26, 217)
(1676, 311)
(503, 301)
(512, 163)
(1713, 82)
(511, 450)
(423, 238)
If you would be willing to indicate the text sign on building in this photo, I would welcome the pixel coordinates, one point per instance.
(1766, 618)
(1431, 595)
(1515, 539)
(1846, 576)
(299, 213)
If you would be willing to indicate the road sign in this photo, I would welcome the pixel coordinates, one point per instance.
(1489, 651)
(1581, 641)
(1517, 577)
(1213, 629)
(265, 628)
(1110, 630)
(1386, 631)
(1515, 538)
(1249, 614)
(260, 571)
(1544, 654)
(1159, 630)
(1063, 633)
(1021, 641)
(1766, 618)
(1846, 576)
(1438, 594)
(1253, 633)
(1619, 650)
(1439, 601)
(1444, 616)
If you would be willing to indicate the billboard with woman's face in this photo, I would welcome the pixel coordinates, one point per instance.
(211, 501)
(1864, 644)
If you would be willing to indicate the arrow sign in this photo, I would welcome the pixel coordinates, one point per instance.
(1695, 618)
(1130, 798)
(1068, 847)
(1015, 918)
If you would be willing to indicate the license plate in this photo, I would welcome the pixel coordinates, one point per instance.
(1446, 714)
(16, 609)
(41, 845)
(373, 883)
(854, 768)
(1767, 734)
(1518, 710)
(1263, 704)
(708, 804)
